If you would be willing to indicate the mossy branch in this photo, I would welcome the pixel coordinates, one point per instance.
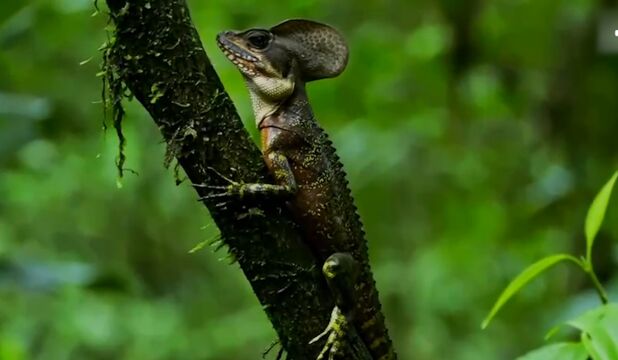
(155, 53)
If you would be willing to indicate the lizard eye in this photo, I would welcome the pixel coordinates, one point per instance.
(259, 40)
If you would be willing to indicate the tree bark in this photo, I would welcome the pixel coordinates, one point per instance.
(155, 52)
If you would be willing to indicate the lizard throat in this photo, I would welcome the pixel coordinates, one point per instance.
(261, 108)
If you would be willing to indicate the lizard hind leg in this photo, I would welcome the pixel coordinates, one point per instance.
(337, 331)
(340, 271)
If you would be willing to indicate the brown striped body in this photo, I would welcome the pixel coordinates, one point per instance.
(324, 206)
(276, 64)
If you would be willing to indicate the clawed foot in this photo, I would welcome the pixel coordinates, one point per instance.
(336, 330)
(233, 189)
(240, 189)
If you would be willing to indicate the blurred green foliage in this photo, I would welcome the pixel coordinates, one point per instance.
(599, 327)
(474, 134)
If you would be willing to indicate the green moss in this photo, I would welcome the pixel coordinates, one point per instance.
(114, 90)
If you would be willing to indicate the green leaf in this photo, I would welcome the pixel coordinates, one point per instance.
(587, 320)
(587, 342)
(553, 331)
(560, 351)
(199, 246)
(596, 213)
(523, 278)
(603, 340)
(599, 331)
(84, 62)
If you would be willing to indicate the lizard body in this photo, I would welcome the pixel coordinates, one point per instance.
(276, 65)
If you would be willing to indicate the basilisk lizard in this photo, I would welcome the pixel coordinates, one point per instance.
(276, 64)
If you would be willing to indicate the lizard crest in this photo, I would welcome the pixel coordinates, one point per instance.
(273, 62)
(276, 65)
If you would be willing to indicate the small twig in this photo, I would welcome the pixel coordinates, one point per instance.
(597, 285)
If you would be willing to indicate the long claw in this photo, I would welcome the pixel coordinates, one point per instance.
(217, 187)
(329, 327)
(320, 336)
(212, 196)
(336, 331)
(214, 187)
(221, 175)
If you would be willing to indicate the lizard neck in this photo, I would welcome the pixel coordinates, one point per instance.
(292, 110)
(262, 107)
(296, 110)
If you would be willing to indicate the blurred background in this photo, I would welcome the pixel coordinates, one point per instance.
(475, 135)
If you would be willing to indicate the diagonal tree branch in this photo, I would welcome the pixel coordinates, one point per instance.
(156, 54)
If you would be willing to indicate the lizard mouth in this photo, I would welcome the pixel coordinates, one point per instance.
(238, 56)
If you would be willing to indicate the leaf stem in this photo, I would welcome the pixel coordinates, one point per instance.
(597, 284)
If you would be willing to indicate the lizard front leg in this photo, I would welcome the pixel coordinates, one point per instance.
(340, 271)
(279, 166)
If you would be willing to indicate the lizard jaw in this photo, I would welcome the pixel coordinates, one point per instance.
(244, 61)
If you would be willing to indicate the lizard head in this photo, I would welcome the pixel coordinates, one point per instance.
(296, 51)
